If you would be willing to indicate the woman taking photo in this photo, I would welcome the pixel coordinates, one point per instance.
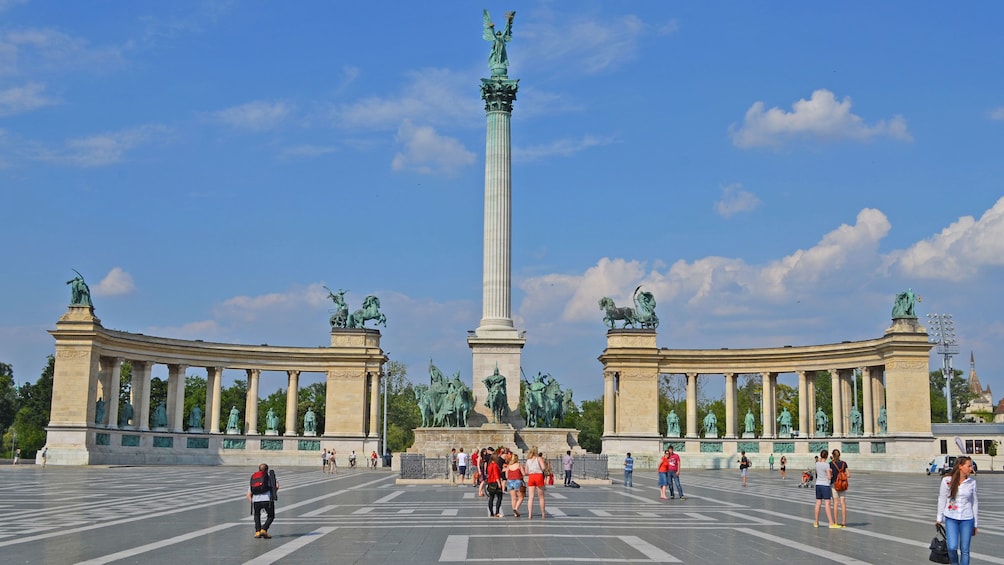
(958, 507)
(514, 478)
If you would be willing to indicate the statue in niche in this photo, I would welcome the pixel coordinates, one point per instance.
(271, 421)
(711, 425)
(310, 421)
(99, 411)
(857, 422)
(883, 420)
(80, 293)
(126, 415)
(822, 422)
(340, 315)
(672, 424)
(750, 422)
(905, 305)
(497, 400)
(195, 417)
(498, 59)
(234, 421)
(784, 421)
(160, 416)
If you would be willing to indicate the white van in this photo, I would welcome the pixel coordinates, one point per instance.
(942, 464)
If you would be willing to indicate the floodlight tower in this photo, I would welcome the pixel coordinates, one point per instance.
(943, 333)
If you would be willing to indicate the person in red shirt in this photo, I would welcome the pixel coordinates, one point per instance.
(493, 485)
(664, 475)
(673, 469)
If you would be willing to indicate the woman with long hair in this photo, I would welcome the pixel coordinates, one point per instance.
(535, 466)
(493, 484)
(514, 476)
(839, 494)
(958, 508)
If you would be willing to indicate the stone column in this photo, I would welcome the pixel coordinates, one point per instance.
(811, 392)
(803, 402)
(292, 398)
(846, 396)
(766, 395)
(251, 404)
(692, 430)
(730, 405)
(609, 402)
(374, 379)
(837, 422)
(214, 390)
(867, 408)
(113, 392)
(176, 398)
(141, 394)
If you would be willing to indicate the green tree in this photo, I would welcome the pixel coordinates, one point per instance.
(749, 396)
(34, 406)
(402, 415)
(824, 398)
(961, 396)
(312, 397)
(232, 396)
(591, 425)
(992, 452)
(125, 386)
(158, 396)
(8, 396)
(672, 396)
(195, 395)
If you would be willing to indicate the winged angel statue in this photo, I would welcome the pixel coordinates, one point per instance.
(498, 60)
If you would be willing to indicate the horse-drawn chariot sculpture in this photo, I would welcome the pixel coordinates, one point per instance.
(642, 315)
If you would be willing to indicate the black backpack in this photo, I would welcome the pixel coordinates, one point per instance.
(260, 483)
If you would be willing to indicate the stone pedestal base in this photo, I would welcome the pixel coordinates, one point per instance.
(160, 429)
(196, 431)
(749, 435)
(271, 432)
(233, 432)
(439, 441)
(784, 435)
(673, 435)
(310, 434)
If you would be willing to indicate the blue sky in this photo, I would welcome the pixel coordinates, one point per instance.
(773, 172)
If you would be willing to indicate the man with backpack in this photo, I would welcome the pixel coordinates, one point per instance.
(263, 492)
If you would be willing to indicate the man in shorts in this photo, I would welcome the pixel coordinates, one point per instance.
(744, 464)
(823, 491)
(462, 466)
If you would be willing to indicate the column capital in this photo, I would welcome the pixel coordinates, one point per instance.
(499, 93)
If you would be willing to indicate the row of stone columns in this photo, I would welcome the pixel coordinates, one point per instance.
(109, 384)
(841, 392)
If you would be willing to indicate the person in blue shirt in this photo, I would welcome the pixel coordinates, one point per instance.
(629, 470)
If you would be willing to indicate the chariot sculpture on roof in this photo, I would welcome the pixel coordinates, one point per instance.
(642, 315)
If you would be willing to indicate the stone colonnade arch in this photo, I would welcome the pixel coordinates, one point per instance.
(894, 368)
(89, 358)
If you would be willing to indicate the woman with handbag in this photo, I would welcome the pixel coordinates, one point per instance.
(840, 473)
(514, 476)
(493, 484)
(535, 466)
(958, 508)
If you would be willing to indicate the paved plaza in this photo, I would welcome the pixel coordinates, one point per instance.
(199, 515)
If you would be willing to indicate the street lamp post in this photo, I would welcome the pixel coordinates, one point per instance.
(943, 333)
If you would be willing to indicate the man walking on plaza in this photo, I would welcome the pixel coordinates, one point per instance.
(744, 464)
(262, 493)
(462, 466)
(673, 471)
(566, 464)
(629, 470)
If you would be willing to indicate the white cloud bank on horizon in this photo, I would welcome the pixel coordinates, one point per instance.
(821, 117)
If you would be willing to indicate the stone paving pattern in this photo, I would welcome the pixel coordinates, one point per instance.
(199, 515)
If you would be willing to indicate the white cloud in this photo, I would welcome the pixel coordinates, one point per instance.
(307, 151)
(996, 113)
(559, 147)
(735, 200)
(48, 49)
(259, 115)
(427, 152)
(430, 94)
(584, 44)
(959, 251)
(721, 285)
(8, 4)
(821, 117)
(101, 149)
(116, 283)
(21, 99)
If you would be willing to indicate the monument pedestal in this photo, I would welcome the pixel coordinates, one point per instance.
(271, 432)
(749, 435)
(433, 442)
(196, 431)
